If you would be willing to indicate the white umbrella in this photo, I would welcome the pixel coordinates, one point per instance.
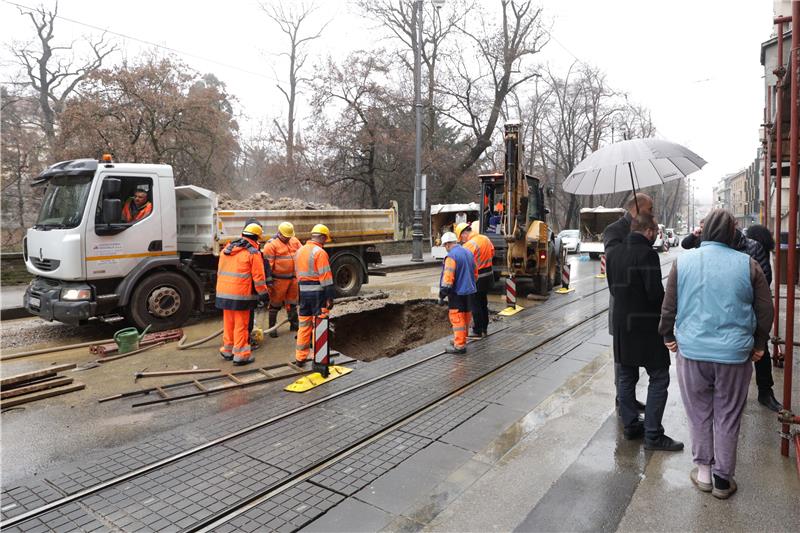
(632, 165)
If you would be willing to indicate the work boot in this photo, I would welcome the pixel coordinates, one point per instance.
(461, 350)
(294, 323)
(226, 356)
(474, 335)
(723, 488)
(301, 364)
(767, 399)
(664, 444)
(243, 360)
(273, 319)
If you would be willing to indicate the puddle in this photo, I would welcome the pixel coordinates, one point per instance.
(389, 330)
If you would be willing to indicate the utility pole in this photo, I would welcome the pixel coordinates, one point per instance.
(416, 228)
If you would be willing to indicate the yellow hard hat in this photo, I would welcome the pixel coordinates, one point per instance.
(461, 227)
(253, 229)
(286, 229)
(321, 229)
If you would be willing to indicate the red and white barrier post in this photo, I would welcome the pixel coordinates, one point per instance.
(565, 269)
(511, 291)
(602, 273)
(320, 345)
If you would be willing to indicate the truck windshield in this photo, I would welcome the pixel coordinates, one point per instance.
(64, 202)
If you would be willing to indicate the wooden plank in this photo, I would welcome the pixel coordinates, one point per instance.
(199, 385)
(161, 392)
(36, 374)
(262, 371)
(234, 379)
(134, 352)
(35, 388)
(176, 372)
(32, 382)
(41, 395)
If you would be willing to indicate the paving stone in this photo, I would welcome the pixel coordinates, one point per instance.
(350, 516)
(361, 468)
(481, 429)
(20, 499)
(291, 513)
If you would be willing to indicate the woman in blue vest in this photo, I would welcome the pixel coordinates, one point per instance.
(716, 315)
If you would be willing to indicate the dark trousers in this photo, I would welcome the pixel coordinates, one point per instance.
(764, 373)
(480, 312)
(656, 399)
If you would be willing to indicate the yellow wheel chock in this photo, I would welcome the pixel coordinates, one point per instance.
(306, 383)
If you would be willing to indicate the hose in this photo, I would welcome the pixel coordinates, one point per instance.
(183, 346)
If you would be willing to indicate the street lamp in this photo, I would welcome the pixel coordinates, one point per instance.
(419, 201)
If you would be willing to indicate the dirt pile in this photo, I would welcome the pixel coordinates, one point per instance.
(264, 200)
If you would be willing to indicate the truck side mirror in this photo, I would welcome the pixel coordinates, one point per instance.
(112, 210)
(113, 188)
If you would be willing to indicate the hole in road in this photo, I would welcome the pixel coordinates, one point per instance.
(389, 330)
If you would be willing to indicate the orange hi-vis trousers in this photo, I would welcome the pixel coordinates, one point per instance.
(236, 333)
(283, 291)
(460, 321)
(304, 333)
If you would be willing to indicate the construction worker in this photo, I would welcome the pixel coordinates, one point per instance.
(279, 254)
(241, 284)
(315, 282)
(483, 251)
(458, 286)
(136, 208)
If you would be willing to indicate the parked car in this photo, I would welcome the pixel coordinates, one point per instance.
(672, 237)
(571, 240)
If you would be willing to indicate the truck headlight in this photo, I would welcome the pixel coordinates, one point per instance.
(76, 294)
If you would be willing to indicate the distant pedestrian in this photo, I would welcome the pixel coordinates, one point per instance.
(634, 279)
(759, 244)
(613, 235)
(716, 315)
(457, 285)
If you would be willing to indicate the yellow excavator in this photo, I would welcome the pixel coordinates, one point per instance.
(513, 216)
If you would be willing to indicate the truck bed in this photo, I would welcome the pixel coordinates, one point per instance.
(203, 228)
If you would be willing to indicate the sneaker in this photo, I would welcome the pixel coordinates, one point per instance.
(767, 399)
(458, 350)
(723, 488)
(635, 433)
(237, 360)
(664, 444)
(702, 486)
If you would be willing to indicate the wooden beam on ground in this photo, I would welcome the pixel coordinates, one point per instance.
(41, 395)
(36, 374)
(35, 388)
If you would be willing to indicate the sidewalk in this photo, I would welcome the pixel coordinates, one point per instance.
(394, 263)
(547, 454)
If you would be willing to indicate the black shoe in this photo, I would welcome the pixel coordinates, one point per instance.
(273, 334)
(767, 399)
(640, 406)
(453, 349)
(226, 357)
(723, 488)
(636, 433)
(664, 444)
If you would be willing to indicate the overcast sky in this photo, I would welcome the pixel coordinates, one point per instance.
(693, 63)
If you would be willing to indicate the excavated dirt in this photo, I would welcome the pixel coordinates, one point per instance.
(389, 330)
(264, 200)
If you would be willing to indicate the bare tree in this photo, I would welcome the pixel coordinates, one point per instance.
(51, 69)
(291, 22)
(478, 93)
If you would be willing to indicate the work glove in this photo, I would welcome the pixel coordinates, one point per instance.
(263, 299)
(443, 292)
(442, 302)
(329, 304)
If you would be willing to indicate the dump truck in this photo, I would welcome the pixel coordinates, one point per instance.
(593, 221)
(445, 217)
(513, 216)
(90, 263)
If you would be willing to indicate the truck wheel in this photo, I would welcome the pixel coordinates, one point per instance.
(348, 275)
(164, 299)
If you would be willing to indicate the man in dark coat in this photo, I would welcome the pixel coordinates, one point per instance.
(634, 279)
(614, 234)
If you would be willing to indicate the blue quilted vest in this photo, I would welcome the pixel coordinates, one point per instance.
(465, 270)
(715, 320)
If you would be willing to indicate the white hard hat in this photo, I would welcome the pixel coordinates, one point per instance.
(449, 237)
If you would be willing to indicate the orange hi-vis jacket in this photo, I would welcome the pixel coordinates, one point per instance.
(313, 270)
(129, 213)
(483, 251)
(241, 276)
(280, 256)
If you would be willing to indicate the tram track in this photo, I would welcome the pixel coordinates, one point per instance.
(306, 472)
